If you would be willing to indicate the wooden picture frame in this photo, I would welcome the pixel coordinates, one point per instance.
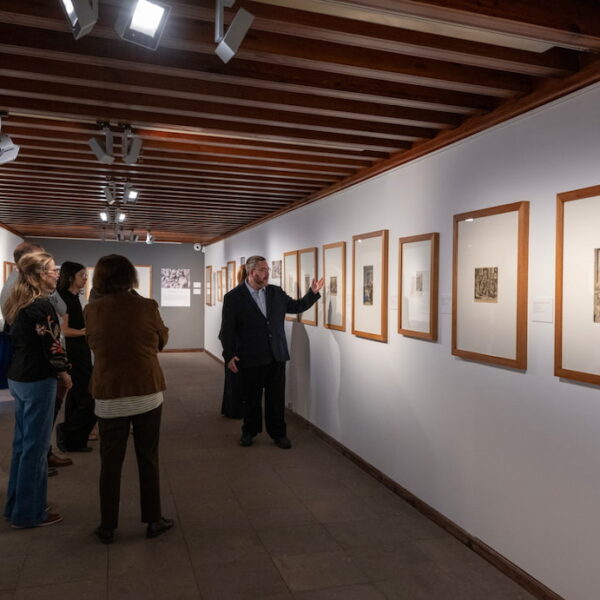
(489, 285)
(370, 252)
(418, 274)
(208, 288)
(290, 278)
(577, 306)
(224, 279)
(231, 275)
(144, 287)
(334, 289)
(219, 285)
(9, 267)
(307, 271)
(88, 283)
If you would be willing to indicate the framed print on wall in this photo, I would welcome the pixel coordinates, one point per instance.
(219, 285)
(307, 271)
(231, 272)
(577, 332)
(334, 290)
(489, 285)
(290, 277)
(224, 279)
(208, 285)
(9, 267)
(144, 273)
(370, 285)
(418, 263)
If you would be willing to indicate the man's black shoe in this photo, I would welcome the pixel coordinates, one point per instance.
(106, 536)
(155, 529)
(246, 440)
(283, 443)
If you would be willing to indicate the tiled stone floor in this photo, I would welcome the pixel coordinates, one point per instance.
(255, 523)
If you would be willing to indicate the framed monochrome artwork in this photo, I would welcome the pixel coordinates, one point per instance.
(224, 279)
(290, 277)
(370, 285)
(489, 286)
(334, 289)
(144, 287)
(418, 264)
(276, 272)
(208, 286)
(219, 275)
(307, 271)
(9, 267)
(231, 276)
(577, 307)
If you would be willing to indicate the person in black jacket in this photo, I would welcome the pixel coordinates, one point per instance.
(254, 343)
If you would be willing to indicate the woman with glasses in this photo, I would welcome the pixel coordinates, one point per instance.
(38, 359)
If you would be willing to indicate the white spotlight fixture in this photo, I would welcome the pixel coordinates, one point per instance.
(8, 149)
(104, 216)
(142, 22)
(81, 14)
(103, 154)
(109, 193)
(149, 238)
(121, 216)
(130, 194)
(131, 146)
(229, 42)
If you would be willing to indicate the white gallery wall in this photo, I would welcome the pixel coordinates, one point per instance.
(512, 457)
(8, 242)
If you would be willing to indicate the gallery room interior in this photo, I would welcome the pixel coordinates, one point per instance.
(437, 163)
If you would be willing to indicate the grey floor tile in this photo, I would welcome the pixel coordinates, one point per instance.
(297, 539)
(152, 588)
(215, 548)
(363, 591)
(77, 590)
(432, 585)
(329, 510)
(369, 532)
(10, 570)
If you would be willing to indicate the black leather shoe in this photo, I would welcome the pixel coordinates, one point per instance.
(106, 536)
(283, 443)
(246, 440)
(155, 529)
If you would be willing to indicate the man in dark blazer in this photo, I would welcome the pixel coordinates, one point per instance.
(254, 344)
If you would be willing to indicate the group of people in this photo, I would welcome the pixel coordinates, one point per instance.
(123, 390)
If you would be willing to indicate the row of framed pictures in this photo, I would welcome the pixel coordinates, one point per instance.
(218, 282)
(489, 285)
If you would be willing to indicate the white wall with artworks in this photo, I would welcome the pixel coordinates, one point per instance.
(509, 454)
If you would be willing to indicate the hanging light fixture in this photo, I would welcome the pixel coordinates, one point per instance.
(142, 22)
(81, 15)
(229, 42)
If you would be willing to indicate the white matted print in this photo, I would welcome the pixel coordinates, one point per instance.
(307, 268)
(208, 286)
(418, 286)
(489, 316)
(231, 281)
(144, 287)
(334, 289)
(224, 279)
(577, 343)
(370, 285)
(175, 286)
(290, 277)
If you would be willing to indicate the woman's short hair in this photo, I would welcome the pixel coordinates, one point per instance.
(68, 270)
(113, 274)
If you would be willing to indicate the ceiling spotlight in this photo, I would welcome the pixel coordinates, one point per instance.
(81, 14)
(121, 216)
(130, 194)
(142, 22)
(103, 154)
(8, 150)
(109, 193)
(133, 237)
(104, 216)
(120, 236)
(149, 238)
(131, 147)
(229, 42)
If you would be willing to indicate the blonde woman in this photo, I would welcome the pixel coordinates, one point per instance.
(38, 359)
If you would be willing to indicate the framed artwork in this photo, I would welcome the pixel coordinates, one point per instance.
(208, 285)
(231, 275)
(489, 286)
(334, 290)
(307, 271)
(290, 277)
(224, 279)
(9, 267)
(418, 264)
(370, 285)
(577, 307)
(144, 287)
(89, 283)
(276, 269)
(219, 275)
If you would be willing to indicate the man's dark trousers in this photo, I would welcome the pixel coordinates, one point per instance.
(271, 377)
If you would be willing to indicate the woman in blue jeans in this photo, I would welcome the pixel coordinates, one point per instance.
(38, 359)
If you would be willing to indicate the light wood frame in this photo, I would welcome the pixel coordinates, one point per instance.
(291, 293)
(559, 369)
(522, 244)
(432, 332)
(382, 335)
(341, 285)
(224, 277)
(208, 286)
(231, 275)
(220, 285)
(302, 316)
(9, 267)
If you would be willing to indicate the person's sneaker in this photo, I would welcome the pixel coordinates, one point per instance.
(246, 440)
(283, 443)
(51, 519)
(155, 529)
(106, 536)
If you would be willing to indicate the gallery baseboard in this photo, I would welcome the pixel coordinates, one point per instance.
(522, 578)
(518, 575)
